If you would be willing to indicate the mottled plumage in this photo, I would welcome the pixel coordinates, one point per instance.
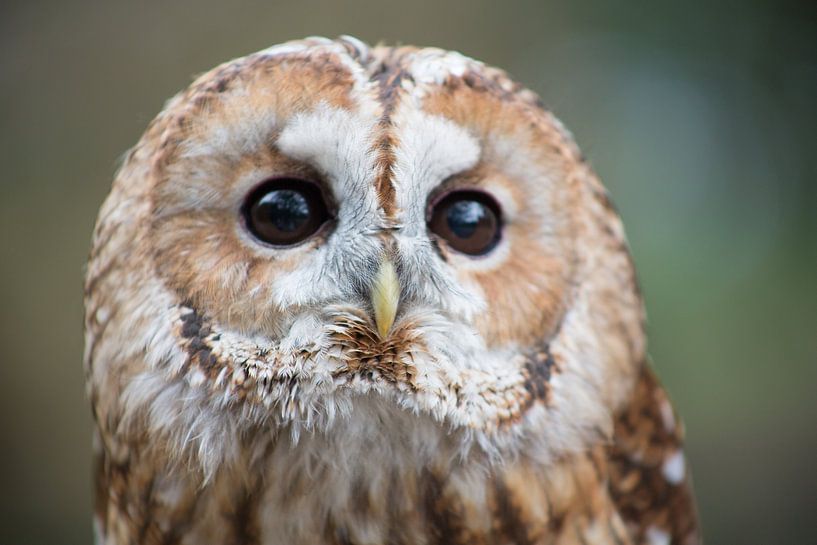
(371, 384)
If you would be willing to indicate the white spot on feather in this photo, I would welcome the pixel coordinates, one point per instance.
(674, 468)
(657, 536)
(435, 65)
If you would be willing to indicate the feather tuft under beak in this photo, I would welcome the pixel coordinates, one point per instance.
(385, 297)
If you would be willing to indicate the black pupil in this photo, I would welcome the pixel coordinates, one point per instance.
(463, 217)
(287, 209)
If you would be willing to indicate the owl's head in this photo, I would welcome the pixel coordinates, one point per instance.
(323, 228)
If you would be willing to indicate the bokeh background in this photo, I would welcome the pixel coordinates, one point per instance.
(699, 116)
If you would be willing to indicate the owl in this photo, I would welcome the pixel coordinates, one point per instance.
(343, 294)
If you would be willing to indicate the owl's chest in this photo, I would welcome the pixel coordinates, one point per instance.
(385, 477)
(300, 496)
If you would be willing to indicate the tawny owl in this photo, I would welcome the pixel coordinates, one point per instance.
(354, 295)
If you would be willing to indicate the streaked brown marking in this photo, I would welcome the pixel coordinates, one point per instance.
(244, 523)
(360, 496)
(508, 517)
(196, 333)
(358, 54)
(389, 76)
(146, 523)
(538, 366)
(556, 523)
(444, 514)
(483, 83)
(641, 445)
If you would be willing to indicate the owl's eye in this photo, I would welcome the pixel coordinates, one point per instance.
(469, 221)
(285, 211)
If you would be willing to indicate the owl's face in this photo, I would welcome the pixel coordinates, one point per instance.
(322, 225)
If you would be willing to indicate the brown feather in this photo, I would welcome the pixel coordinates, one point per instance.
(642, 444)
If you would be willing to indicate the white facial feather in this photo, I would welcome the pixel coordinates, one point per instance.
(430, 150)
(338, 144)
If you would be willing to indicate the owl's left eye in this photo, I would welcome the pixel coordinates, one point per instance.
(285, 211)
(469, 221)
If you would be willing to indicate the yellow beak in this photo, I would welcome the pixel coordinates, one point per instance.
(385, 297)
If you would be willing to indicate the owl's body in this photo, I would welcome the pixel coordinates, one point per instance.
(389, 377)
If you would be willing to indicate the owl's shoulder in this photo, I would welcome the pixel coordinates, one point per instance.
(648, 477)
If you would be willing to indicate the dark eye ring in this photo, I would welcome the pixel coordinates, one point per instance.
(285, 211)
(470, 221)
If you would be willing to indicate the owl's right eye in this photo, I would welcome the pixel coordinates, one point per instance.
(285, 211)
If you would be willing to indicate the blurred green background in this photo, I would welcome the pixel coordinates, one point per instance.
(699, 117)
